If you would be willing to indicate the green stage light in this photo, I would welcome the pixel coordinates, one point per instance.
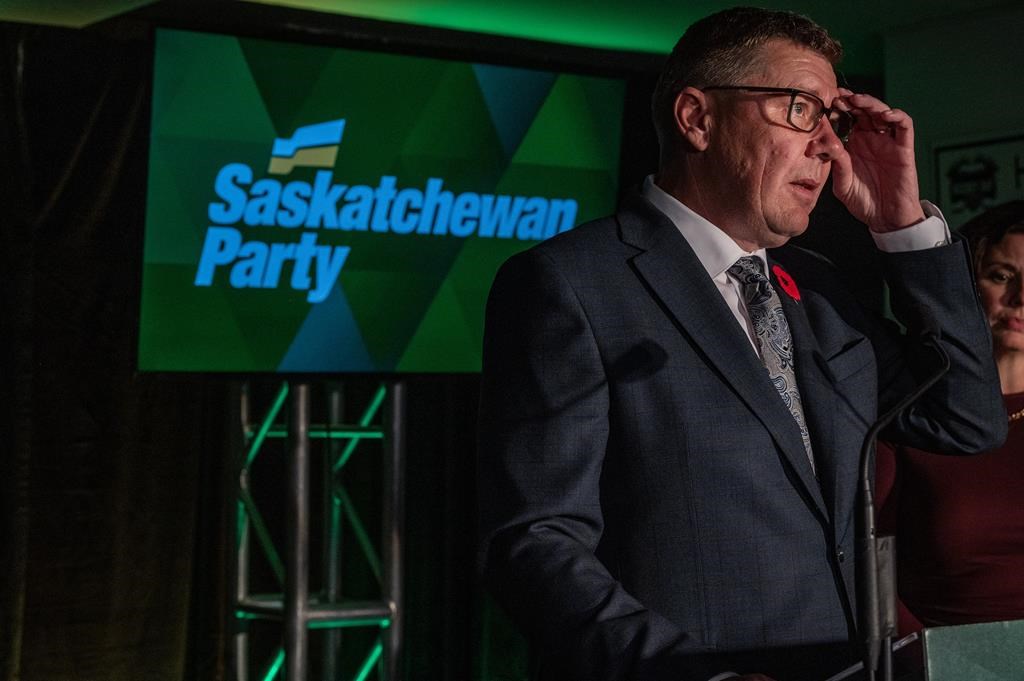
(371, 660)
(275, 666)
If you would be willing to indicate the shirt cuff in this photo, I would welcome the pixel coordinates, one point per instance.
(929, 233)
(723, 675)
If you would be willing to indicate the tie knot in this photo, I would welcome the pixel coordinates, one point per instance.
(755, 286)
(748, 269)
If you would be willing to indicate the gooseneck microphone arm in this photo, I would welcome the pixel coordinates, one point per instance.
(876, 565)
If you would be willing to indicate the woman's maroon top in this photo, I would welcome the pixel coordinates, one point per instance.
(959, 526)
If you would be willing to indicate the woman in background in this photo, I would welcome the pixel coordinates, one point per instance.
(959, 521)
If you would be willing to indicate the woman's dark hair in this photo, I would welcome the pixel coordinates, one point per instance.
(987, 229)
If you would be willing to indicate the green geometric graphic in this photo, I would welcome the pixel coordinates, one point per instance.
(372, 254)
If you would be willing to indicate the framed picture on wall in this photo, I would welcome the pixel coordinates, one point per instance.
(974, 176)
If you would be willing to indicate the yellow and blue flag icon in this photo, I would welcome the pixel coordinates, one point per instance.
(311, 146)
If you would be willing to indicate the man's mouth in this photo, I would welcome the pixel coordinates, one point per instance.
(809, 185)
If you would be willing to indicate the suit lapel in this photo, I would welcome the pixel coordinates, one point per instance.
(676, 278)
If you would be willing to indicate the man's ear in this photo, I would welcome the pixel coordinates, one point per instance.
(692, 117)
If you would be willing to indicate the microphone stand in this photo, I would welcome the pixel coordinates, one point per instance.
(877, 566)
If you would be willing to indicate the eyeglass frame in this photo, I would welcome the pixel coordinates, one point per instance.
(826, 111)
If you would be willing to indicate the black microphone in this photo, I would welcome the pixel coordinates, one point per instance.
(876, 570)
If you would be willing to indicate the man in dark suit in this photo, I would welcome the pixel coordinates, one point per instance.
(674, 400)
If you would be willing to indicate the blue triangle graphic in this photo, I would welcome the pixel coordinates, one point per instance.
(328, 340)
(513, 97)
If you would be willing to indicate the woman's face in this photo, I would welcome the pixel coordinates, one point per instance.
(1000, 283)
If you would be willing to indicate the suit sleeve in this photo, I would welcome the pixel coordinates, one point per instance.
(963, 413)
(543, 433)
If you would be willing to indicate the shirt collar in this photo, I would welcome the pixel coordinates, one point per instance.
(714, 248)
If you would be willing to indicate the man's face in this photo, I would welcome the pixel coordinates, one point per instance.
(762, 177)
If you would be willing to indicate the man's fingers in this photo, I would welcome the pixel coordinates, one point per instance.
(875, 117)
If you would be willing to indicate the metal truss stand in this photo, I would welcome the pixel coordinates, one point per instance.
(297, 608)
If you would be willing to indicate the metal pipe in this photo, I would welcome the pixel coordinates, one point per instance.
(296, 643)
(393, 526)
(241, 413)
(332, 530)
(269, 606)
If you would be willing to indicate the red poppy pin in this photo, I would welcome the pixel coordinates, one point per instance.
(786, 282)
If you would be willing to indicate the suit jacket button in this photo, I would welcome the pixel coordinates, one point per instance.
(841, 555)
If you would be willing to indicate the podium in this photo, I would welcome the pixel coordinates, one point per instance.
(988, 651)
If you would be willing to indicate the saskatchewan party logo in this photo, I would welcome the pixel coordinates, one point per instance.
(263, 227)
(312, 146)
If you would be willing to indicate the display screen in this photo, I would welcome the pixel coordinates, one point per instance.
(317, 209)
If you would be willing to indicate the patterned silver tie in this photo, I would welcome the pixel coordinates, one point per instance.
(771, 331)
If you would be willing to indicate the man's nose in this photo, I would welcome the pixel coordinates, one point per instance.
(824, 142)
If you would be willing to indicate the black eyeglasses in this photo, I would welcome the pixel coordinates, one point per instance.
(805, 109)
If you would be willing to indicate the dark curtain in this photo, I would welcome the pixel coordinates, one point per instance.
(106, 485)
(116, 520)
